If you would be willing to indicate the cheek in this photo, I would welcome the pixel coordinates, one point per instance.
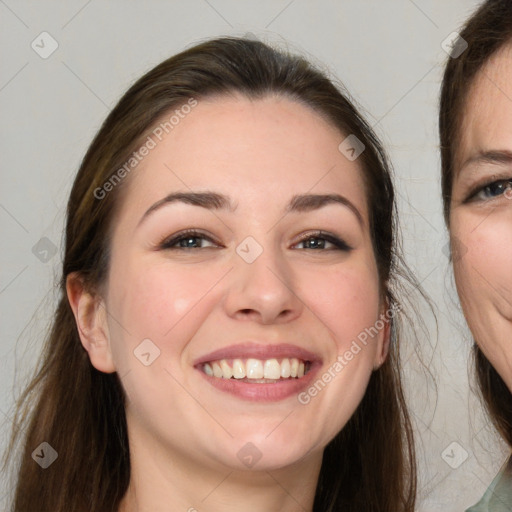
(347, 303)
(482, 263)
(484, 281)
(159, 303)
(346, 300)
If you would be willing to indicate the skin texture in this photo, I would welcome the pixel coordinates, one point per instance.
(481, 226)
(184, 433)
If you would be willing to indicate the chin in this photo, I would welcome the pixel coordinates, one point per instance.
(264, 451)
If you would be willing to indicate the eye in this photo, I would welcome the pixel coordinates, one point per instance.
(492, 190)
(190, 239)
(321, 241)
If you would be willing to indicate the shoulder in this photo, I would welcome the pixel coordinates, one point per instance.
(498, 497)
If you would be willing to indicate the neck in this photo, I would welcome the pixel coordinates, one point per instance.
(161, 481)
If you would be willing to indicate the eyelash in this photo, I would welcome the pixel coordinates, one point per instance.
(169, 243)
(480, 189)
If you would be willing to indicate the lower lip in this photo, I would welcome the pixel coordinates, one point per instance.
(271, 392)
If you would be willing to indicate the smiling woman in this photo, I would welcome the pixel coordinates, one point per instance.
(213, 287)
(476, 147)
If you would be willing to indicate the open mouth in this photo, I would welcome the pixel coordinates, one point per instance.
(257, 371)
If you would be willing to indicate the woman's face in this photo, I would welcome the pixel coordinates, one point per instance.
(481, 212)
(254, 288)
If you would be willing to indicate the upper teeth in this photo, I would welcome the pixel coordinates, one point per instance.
(255, 368)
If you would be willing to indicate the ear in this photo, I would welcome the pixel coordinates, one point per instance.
(384, 336)
(91, 320)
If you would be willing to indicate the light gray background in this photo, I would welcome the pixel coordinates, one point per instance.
(387, 53)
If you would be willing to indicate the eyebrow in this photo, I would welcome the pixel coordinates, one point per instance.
(216, 201)
(489, 157)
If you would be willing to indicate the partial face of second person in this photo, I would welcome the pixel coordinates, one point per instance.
(481, 212)
(195, 296)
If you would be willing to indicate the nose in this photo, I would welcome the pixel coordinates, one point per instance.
(263, 291)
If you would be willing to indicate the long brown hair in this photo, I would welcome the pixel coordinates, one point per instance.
(369, 465)
(486, 32)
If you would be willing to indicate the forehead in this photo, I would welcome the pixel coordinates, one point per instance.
(487, 116)
(263, 150)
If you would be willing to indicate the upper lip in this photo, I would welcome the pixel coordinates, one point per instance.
(258, 351)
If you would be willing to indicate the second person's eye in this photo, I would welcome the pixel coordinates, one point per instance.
(494, 189)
